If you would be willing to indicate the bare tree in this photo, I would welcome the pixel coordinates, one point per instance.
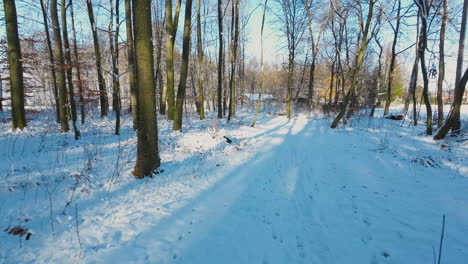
(364, 29)
(97, 55)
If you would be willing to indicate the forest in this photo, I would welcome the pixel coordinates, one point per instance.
(233, 131)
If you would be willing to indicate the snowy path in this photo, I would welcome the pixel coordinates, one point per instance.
(284, 192)
(308, 195)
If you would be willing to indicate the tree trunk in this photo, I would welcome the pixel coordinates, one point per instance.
(235, 43)
(147, 147)
(453, 121)
(114, 50)
(220, 59)
(461, 48)
(97, 54)
(131, 63)
(201, 109)
(18, 115)
(77, 66)
(262, 75)
(184, 68)
(60, 66)
(171, 32)
(440, 79)
(455, 113)
(423, 14)
(68, 67)
(51, 59)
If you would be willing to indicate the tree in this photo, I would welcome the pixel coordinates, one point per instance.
(114, 50)
(294, 22)
(359, 59)
(171, 31)
(131, 63)
(453, 120)
(79, 81)
(262, 74)
(220, 58)
(60, 67)
(147, 134)
(51, 58)
(234, 47)
(315, 46)
(97, 54)
(423, 7)
(391, 68)
(440, 79)
(68, 68)
(18, 116)
(201, 101)
(184, 68)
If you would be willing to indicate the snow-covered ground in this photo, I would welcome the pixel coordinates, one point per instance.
(286, 191)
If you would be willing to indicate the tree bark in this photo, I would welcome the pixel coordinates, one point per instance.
(114, 50)
(220, 59)
(234, 47)
(171, 32)
(68, 68)
(423, 14)
(147, 147)
(60, 67)
(131, 63)
(177, 126)
(201, 101)
(461, 48)
(18, 115)
(441, 77)
(97, 54)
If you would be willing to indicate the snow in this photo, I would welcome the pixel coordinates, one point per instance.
(285, 191)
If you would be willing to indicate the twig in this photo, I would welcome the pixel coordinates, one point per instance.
(441, 239)
(78, 229)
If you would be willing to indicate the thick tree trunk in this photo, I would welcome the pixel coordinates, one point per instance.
(51, 59)
(147, 148)
(184, 68)
(18, 115)
(97, 54)
(68, 67)
(220, 59)
(77, 66)
(60, 67)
